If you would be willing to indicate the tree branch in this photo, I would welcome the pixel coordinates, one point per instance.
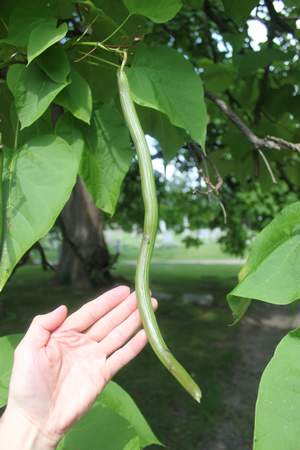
(26, 257)
(268, 142)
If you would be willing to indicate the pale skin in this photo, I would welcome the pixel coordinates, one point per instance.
(62, 365)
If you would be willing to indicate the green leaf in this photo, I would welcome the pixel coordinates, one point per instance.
(292, 172)
(162, 79)
(114, 13)
(6, 129)
(235, 40)
(271, 273)
(159, 11)
(115, 398)
(54, 62)
(239, 11)
(217, 77)
(77, 97)
(37, 181)
(277, 418)
(43, 36)
(24, 18)
(275, 98)
(34, 93)
(101, 428)
(251, 61)
(102, 80)
(13, 75)
(7, 348)
(276, 280)
(103, 151)
(239, 146)
(195, 4)
(157, 125)
(41, 126)
(7, 8)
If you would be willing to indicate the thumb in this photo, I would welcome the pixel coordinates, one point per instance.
(39, 331)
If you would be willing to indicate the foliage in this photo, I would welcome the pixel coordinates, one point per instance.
(279, 392)
(254, 81)
(271, 274)
(271, 271)
(55, 52)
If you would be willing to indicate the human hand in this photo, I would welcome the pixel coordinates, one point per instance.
(62, 364)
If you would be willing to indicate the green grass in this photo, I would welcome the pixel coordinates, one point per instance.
(198, 336)
(130, 247)
(31, 291)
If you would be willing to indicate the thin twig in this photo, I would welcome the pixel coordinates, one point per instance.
(86, 54)
(268, 165)
(212, 191)
(197, 149)
(215, 197)
(269, 142)
(217, 173)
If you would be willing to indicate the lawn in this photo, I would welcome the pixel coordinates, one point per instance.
(198, 336)
(175, 250)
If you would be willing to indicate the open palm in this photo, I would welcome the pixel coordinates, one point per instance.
(66, 362)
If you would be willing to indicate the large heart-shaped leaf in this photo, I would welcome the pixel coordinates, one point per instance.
(114, 420)
(77, 97)
(24, 18)
(158, 125)
(115, 398)
(7, 348)
(103, 150)
(158, 11)
(277, 418)
(34, 92)
(43, 36)
(239, 11)
(37, 181)
(272, 271)
(54, 62)
(163, 79)
(101, 428)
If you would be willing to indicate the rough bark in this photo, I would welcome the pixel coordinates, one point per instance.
(84, 257)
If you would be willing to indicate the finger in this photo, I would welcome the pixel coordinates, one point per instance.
(120, 335)
(125, 354)
(41, 327)
(89, 313)
(112, 319)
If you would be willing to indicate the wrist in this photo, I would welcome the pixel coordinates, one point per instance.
(18, 433)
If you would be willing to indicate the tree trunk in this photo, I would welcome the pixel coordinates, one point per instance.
(84, 257)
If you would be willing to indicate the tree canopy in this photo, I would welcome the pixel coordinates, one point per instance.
(211, 96)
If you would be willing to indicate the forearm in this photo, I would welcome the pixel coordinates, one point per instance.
(17, 433)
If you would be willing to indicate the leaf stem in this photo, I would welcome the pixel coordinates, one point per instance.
(87, 29)
(99, 45)
(117, 29)
(4, 24)
(99, 59)
(16, 135)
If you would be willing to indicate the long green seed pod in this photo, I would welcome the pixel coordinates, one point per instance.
(148, 240)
